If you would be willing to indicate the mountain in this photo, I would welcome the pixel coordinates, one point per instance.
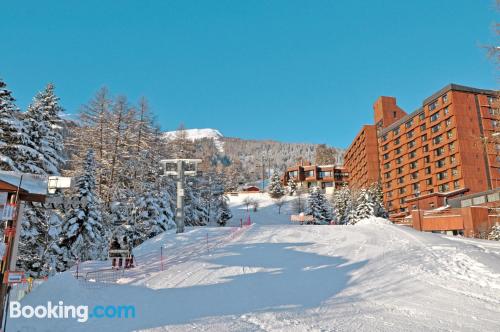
(246, 155)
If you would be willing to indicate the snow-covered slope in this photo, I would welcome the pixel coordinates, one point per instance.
(278, 276)
(196, 134)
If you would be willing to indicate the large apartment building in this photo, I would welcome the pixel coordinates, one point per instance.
(326, 177)
(361, 158)
(446, 148)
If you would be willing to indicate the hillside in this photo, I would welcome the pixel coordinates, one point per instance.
(246, 154)
(275, 276)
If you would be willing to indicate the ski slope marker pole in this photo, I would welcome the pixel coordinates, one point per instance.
(207, 243)
(161, 257)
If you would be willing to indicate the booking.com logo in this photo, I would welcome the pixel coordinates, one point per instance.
(81, 313)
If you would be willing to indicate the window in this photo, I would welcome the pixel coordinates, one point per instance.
(401, 179)
(402, 190)
(412, 154)
(388, 184)
(416, 186)
(411, 144)
(442, 175)
(399, 170)
(451, 146)
(386, 156)
(421, 116)
(492, 111)
(440, 163)
(427, 170)
(423, 127)
(410, 134)
(413, 165)
(449, 134)
(414, 175)
(425, 148)
(292, 174)
(387, 165)
(448, 122)
(433, 105)
(387, 175)
(494, 123)
(399, 160)
(444, 98)
(452, 159)
(384, 138)
(434, 117)
(491, 100)
(309, 173)
(384, 147)
(456, 184)
(439, 151)
(397, 151)
(443, 187)
(437, 139)
(409, 123)
(436, 128)
(454, 171)
(424, 137)
(446, 111)
(389, 194)
(428, 181)
(396, 141)
(402, 201)
(395, 131)
(427, 159)
(325, 174)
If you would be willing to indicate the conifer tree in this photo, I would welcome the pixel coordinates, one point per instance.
(83, 234)
(275, 186)
(365, 206)
(15, 148)
(292, 186)
(318, 206)
(495, 233)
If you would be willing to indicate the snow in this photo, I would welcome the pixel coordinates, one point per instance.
(279, 276)
(32, 183)
(196, 134)
(373, 221)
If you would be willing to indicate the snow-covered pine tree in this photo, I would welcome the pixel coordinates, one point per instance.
(219, 209)
(365, 206)
(15, 148)
(318, 206)
(377, 197)
(275, 186)
(341, 200)
(495, 233)
(195, 211)
(291, 186)
(83, 234)
(38, 243)
(44, 124)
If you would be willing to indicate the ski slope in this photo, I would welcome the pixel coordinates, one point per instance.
(276, 276)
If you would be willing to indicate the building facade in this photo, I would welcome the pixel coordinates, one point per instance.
(361, 158)
(326, 177)
(446, 148)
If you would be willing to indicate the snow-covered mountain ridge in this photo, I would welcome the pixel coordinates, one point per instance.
(197, 134)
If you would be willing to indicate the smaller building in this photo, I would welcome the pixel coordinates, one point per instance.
(326, 177)
(250, 189)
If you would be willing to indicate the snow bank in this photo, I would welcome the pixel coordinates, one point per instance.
(374, 221)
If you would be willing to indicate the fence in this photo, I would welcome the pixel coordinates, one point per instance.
(157, 261)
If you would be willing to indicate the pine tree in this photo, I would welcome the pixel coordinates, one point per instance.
(83, 234)
(44, 124)
(377, 197)
(292, 186)
(495, 233)
(275, 186)
(318, 206)
(365, 206)
(341, 200)
(15, 148)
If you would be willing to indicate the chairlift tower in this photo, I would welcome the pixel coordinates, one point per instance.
(180, 168)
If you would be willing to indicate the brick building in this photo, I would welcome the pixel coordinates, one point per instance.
(443, 149)
(361, 158)
(326, 177)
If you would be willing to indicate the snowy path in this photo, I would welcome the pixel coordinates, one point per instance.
(282, 277)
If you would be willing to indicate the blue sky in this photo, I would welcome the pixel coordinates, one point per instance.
(297, 71)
